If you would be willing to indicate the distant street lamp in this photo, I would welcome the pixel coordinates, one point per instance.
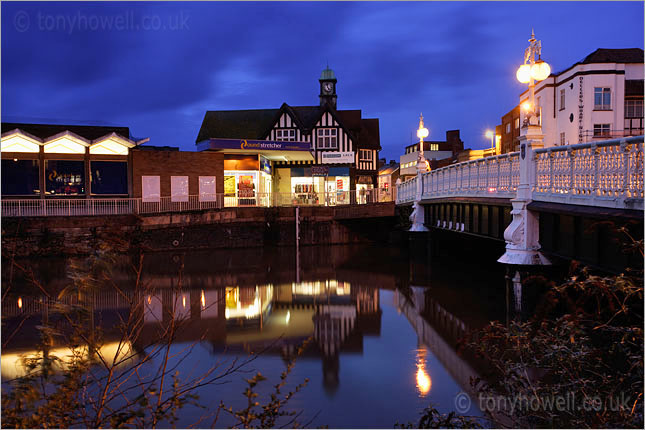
(421, 133)
(417, 217)
(531, 70)
(491, 136)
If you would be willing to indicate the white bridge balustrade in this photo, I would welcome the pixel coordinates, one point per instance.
(603, 174)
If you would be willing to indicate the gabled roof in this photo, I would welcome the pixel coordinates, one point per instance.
(45, 131)
(603, 55)
(257, 123)
(370, 135)
(237, 124)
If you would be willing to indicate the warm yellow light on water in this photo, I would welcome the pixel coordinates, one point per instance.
(424, 383)
(19, 302)
(203, 300)
(183, 300)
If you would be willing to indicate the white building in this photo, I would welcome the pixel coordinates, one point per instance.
(598, 98)
(432, 150)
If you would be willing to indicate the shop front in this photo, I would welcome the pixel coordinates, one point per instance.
(247, 180)
(319, 185)
(364, 189)
(249, 168)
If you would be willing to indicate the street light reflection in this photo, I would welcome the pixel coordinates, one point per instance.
(424, 383)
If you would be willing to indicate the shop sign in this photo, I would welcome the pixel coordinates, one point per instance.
(251, 145)
(265, 165)
(337, 157)
(339, 184)
(319, 170)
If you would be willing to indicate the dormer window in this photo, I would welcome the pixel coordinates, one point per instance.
(287, 135)
(327, 138)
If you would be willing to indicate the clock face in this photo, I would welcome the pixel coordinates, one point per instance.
(328, 87)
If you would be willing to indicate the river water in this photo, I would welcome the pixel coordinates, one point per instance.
(382, 325)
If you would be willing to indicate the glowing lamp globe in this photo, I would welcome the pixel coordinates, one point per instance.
(489, 134)
(540, 70)
(526, 106)
(422, 132)
(524, 73)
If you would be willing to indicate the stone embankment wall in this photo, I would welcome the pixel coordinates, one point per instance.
(225, 228)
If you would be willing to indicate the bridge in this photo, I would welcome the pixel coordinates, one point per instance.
(558, 201)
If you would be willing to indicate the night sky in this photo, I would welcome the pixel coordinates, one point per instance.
(157, 67)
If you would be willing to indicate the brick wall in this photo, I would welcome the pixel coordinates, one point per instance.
(176, 163)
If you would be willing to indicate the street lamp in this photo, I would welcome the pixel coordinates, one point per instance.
(491, 136)
(532, 70)
(421, 133)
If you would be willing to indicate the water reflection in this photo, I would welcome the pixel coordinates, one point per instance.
(424, 383)
(384, 328)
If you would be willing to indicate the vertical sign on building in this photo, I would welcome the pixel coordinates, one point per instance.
(580, 111)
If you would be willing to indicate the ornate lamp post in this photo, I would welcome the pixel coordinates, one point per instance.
(491, 136)
(417, 216)
(532, 71)
(522, 247)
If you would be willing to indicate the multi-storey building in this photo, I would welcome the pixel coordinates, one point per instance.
(432, 150)
(509, 130)
(305, 150)
(600, 97)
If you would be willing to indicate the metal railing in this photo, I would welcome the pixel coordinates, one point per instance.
(496, 176)
(125, 206)
(605, 173)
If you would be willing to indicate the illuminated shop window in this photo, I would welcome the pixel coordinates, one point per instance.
(66, 178)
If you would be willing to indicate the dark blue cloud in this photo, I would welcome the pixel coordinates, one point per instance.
(157, 67)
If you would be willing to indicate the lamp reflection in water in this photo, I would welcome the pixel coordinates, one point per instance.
(424, 383)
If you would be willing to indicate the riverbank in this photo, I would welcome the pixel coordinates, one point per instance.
(207, 229)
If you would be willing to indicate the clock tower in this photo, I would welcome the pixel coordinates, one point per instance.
(328, 87)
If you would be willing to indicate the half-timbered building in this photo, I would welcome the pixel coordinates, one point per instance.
(308, 149)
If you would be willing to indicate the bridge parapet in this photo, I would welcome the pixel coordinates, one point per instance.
(496, 176)
(604, 174)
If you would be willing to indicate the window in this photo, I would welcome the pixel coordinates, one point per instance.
(517, 123)
(561, 99)
(601, 130)
(286, 135)
(327, 138)
(150, 189)
(109, 177)
(365, 155)
(207, 189)
(633, 108)
(434, 147)
(179, 188)
(65, 177)
(602, 98)
(20, 177)
(508, 127)
(563, 139)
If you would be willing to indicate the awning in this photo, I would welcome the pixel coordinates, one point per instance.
(271, 149)
(362, 179)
